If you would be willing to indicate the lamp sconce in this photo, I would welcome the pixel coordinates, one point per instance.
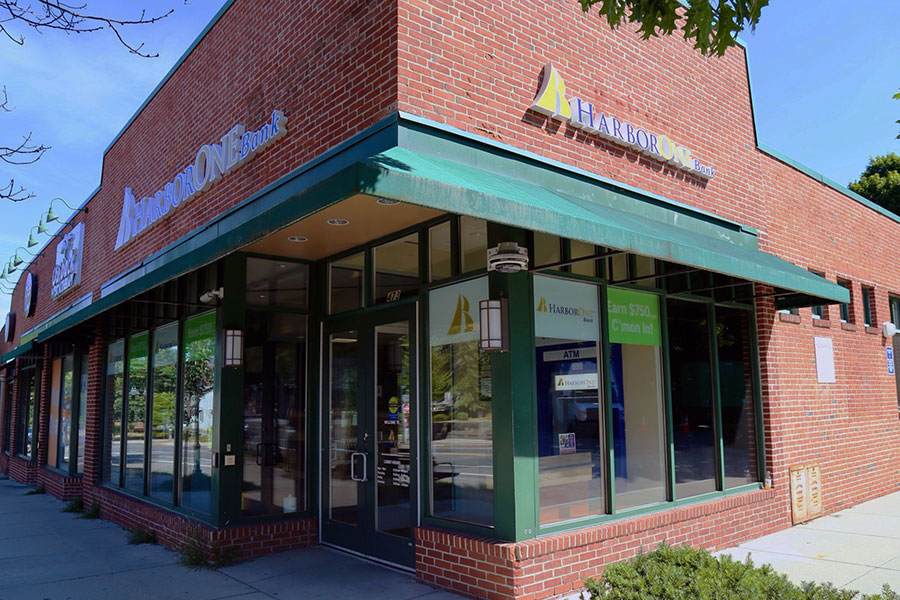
(209, 296)
(234, 348)
(888, 329)
(494, 325)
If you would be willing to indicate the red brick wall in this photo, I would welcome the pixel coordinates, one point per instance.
(476, 65)
(329, 65)
(556, 564)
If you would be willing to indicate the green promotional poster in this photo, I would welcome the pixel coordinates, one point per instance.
(633, 317)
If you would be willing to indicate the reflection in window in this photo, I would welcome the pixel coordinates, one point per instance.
(546, 249)
(26, 434)
(345, 281)
(692, 401)
(569, 411)
(65, 412)
(115, 381)
(277, 283)
(274, 405)
(396, 267)
(473, 243)
(638, 418)
(462, 463)
(439, 249)
(580, 249)
(737, 394)
(82, 412)
(53, 441)
(138, 350)
(197, 412)
(165, 386)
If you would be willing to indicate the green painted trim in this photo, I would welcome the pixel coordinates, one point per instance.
(16, 352)
(442, 184)
(716, 391)
(640, 511)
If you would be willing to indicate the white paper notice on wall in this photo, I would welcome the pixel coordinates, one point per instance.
(824, 360)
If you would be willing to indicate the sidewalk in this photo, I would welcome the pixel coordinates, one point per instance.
(857, 548)
(49, 555)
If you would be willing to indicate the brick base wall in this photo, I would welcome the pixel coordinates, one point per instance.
(554, 565)
(174, 530)
(58, 485)
(23, 471)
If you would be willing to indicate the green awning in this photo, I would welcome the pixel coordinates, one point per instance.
(16, 352)
(441, 184)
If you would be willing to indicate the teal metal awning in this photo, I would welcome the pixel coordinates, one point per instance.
(16, 352)
(674, 236)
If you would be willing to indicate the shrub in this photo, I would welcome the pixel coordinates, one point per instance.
(93, 512)
(197, 553)
(685, 573)
(38, 490)
(141, 536)
(75, 506)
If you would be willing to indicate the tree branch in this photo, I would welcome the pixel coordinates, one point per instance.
(69, 18)
(11, 192)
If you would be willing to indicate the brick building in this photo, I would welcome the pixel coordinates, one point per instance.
(496, 296)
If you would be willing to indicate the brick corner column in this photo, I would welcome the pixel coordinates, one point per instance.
(93, 450)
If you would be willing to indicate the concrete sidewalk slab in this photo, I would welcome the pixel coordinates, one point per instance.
(49, 555)
(857, 548)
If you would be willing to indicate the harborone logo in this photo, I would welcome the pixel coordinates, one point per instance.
(551, 101)
(211, 163)
(585, 314)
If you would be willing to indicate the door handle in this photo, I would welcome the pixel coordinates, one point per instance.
(353, 458)
(259, 464)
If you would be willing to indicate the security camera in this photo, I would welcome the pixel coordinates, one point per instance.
(210, 296)
(507, 257)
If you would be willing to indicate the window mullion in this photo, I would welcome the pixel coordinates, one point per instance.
(716, 397)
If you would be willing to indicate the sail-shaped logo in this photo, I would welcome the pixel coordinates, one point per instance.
(551, 98)
(462, 320)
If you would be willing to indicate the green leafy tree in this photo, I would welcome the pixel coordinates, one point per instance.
(880, 182)
(897, 97)
(711, 25)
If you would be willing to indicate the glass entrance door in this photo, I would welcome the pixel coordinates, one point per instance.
(369, 411)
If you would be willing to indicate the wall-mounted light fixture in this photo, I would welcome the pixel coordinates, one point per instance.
(888, 329)
(234, 348)
(494, 325)
(209, 296)
(52, 216)
(507, 257)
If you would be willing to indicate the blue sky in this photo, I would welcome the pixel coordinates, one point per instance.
(822, 78)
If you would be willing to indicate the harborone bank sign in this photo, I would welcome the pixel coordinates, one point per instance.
(551, 101)
(211, 163)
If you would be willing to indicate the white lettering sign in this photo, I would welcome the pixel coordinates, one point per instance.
(211, 163)
(67, 272)
(566, 310)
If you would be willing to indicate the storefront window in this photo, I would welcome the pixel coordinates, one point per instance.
(473, 243)
(65, 412)
(570, 413)
(5, 395)
(27, 435)
(396, 267)
(197, 413)
(82, 412)
(636, 395)
(579, 249)
(162, 438)
(693, 415)
(115, 382)
(737, 395)
(546, 249)
(345, 277)
(277, 283)
(138, 351)
(439, 249)
(274, 414)
(55, 392)
(462, 485)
